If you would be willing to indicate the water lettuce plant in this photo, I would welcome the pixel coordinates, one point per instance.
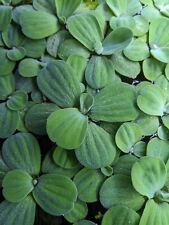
(84, 112)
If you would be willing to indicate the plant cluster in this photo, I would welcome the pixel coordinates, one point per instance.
(91, 78)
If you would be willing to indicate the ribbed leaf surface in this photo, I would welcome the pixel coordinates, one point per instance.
(8, 121)
(17, 184)
(115, 103)
(149, 175)
(98, 149)
(22, 213)
(67, 127)
(55, 194)
(59, 83)
(7, 86)
(120, 215)
(155, 214)
(118, 189)
(88, 183)
(5, 16)
(65, 8)
(86, 29)
(36, 117)
(38, 24)
(21, 151)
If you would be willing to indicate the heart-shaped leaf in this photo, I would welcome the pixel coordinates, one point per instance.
(67, 127)
(21, 151)
(97, 149)
(127, 216)
(53, 195)
(38, 24)
(88, 183)
(148, 176)
(17, 184)
(8, 121)
(115, 103)
(127, 136)
(118, 190)
(36, 117)
(65, 88)
(22, 213)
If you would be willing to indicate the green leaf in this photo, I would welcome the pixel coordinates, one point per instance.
(65, 88)
(78, 212)
(116, 41)
(17, 184)
(159, 43)
(124, 164)
(86, 102)
(65, 159)
(55, 41)
(7, 66)
(21, 151)
(137, 50)
(148, 124)
(155, 213)
(34, 48)
(7, 86)
(36, 117)
(148, 175)
(22, 213)
(152, 68)
(158, 148)
(86, 29)
(127, 216)
(163, 133)
(69, 47)
(29, 67)
(16, 54)
(118, 190)
(99, 72)
(5, 16)
(126, 7)
(151, 100)
(97, 150)
(67, 127)
(78, 63)
(38, 24)
(55, 194)
(43, 5)
(122, 21)
(17, 11)
(66, 8)
(49, 166)
(141, 25)
(124, 66)
(3, 169)
(17, 101)
(88, 183)
(8, 121)
(127, 136)
(115, 103)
